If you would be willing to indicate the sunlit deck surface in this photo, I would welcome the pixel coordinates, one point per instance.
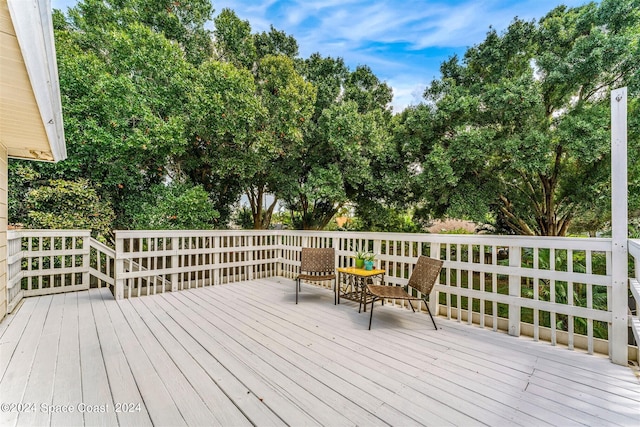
(244, 353)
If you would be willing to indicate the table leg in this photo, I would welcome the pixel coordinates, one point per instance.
(363, 294)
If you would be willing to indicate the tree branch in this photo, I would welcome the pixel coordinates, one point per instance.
(516, 224)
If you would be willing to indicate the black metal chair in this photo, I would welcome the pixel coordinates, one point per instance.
(422, 279)
(317, 264)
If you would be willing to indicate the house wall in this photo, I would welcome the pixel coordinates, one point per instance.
(4, 173)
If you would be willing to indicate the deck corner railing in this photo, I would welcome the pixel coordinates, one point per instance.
(43, 262)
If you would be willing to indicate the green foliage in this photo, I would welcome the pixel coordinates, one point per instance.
(224, 119)
(519, 130)
(124, 88)
(369, 256)
(178, 21)
(515, 131)
(376, 217)
(173, 207)
(457, 231)
(634, 228)
(62, 204)
(234, 41)
(22, 178)
(244, 218)
(275, 43)
(346, 145)
(288, 101)
(148, 98)
(285, 104)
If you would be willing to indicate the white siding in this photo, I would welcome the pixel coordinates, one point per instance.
(4, 170)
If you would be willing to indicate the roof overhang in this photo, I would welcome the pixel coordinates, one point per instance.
(30, 109)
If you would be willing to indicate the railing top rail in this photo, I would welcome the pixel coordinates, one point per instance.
(101, 246)
(603, 244)
(14, 234)
(634, 247)
(190, 233)
(575, 243)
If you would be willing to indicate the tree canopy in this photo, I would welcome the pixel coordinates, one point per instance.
(170, 124)
(517, 132)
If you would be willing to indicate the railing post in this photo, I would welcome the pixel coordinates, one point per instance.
(515, 288)
(217, 244)
(619, 226)
(377, 247)
(248, 251)
(86, 258)
(175, 262)
(119, 268)
(434, 298)
(279, 238)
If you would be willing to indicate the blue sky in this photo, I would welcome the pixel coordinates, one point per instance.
(403, 41)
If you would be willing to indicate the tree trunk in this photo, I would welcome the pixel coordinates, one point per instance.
(548, 221)
(261, 217)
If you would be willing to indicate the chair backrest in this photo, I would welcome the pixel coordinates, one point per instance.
(425, 274)
(318, 260)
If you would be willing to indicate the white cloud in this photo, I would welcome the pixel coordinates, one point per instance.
(406, 92)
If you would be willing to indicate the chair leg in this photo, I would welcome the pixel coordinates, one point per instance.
(429, 311)
(373, 300)
(335, 291)
(414, 310)
(297, 288)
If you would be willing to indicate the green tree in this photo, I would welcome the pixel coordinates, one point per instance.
(125, 86)
(344, 152)
(286, 102)
(234, 42)
(225, 120)
(62, 204)
(22, 179)
(520, 129)
(180, 21)
(174, 207)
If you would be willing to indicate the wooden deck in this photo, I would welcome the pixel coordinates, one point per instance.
(245, 354)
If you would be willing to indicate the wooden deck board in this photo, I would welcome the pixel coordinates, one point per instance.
(39, 387)
(67, 386)
(122, 382)
(290, 373)
(160, 405)
(218, 404)
(245, 353)
(240, 397)
(345, 386)
(250, 368)
(356, 356)
(386, 368)
(95, 388)
(11, 336)
(166, 376)
(19, 367)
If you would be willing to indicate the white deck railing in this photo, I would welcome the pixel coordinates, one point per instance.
(634, 286)
(551, 289)
(502, 282)
(43, 262)
(150, 262)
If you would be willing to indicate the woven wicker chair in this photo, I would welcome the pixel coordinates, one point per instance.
(317, 264)
(422, 279)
